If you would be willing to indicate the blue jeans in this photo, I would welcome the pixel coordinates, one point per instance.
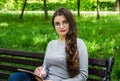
(21, 76)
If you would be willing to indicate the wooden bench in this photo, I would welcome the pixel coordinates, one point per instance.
(10, 60)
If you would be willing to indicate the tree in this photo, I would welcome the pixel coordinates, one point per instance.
(78, 7)
(98, 10)
(117, 5)
(45, 10)
(24, 5)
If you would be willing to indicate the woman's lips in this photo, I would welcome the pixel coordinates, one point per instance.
(62, 30)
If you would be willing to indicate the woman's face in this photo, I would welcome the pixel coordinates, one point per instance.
(61, 25)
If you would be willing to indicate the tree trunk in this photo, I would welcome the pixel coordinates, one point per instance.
(45, 10)
(117, 5)
(78, 7)
(24, 5)
(98, 10)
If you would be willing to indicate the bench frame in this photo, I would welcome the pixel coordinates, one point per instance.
(10, 60)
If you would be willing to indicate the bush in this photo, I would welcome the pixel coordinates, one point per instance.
(88, 5)
(34, 6)
(106, 5)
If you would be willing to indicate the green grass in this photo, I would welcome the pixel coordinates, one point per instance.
(33, 32)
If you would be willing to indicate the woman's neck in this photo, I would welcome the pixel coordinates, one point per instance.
(61, 39)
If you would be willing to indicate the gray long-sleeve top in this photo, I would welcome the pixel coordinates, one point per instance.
(55, 62)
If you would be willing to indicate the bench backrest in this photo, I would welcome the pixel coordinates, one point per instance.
(11, 60)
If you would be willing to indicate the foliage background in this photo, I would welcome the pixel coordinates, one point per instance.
(86, 5)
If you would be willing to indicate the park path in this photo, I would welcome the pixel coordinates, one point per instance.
(75, 12)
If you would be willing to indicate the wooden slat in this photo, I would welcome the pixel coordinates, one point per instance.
(20, 61)
(98, 62)
(91, 79)
(13, 68)
(21, 53)
(2, 80)
(7, 68)
(4, 75)
(96, 71)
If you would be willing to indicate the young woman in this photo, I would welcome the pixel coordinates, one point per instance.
(66, 58)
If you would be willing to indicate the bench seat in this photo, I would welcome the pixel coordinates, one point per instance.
(10, 60)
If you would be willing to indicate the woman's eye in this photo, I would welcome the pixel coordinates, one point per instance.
(57, 24)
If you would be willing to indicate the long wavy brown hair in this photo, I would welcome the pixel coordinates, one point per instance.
(72, 58)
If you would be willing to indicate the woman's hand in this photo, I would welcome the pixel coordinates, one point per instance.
(40, 72)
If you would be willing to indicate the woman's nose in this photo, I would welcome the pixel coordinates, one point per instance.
(61, 26)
